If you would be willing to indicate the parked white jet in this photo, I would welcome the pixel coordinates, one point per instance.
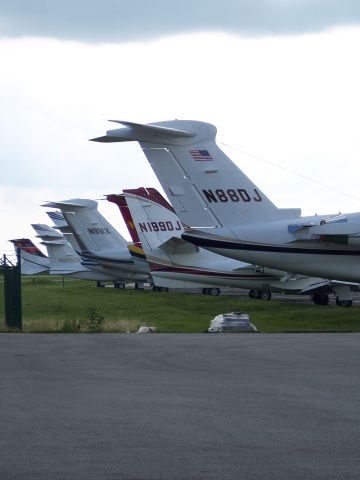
(176, 263)
(62, 226)
(63, 258)
(231, 216)
(32, 258)
(102, 247)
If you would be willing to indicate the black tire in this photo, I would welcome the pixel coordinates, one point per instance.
(265, 295)
(205, 291)
(252, 294)
(214, 291)
(343, 303)
(320, 299)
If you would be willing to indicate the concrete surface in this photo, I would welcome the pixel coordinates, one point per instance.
(179, 406)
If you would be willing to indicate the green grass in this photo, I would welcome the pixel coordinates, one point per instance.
(48, 306)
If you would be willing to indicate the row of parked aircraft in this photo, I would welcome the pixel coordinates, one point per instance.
(219, 229)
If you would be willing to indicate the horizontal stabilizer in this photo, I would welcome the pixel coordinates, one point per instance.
(352, 285)
(55, 243)
(106, 139)
(176, 245)
(141, 132)
(313, 287)
(299, 285)
(43, 231)
(71, 204)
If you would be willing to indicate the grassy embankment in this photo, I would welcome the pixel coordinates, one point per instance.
(50, 307)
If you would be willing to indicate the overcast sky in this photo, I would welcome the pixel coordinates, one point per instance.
(120, 20)
(279, 78)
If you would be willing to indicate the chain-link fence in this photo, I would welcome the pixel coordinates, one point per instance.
(10, 296)
(2, 299)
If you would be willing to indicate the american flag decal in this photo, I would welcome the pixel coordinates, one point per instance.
(200, 155)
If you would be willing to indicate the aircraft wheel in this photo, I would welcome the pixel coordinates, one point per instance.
(316, 298)
(320, 299)
(205, 291)
(264, 295)
(119, 285)
(343, 303)
(214, 292)
(324, 300)
(253, 294)
(159, 289)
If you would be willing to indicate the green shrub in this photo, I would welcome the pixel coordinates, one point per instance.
(69, 326)
(93, 322)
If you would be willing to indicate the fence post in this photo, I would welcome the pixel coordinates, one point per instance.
(12, 292)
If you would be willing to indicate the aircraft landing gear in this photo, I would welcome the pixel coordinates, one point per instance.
(260, 294)
(211, 291)
(264, 295)
(119, 285)
(343, 303)
(343, 296)
(320, 299)
(159, 289)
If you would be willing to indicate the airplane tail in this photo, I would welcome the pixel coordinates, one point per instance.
(45, 232)
(153, 218)
(204, 186)
(32, 258)
(174, 262)
(63, 258)
(58, 218)
(91, 230)
(120, 201)
(61, 224)
(27, 246)
(159, 231)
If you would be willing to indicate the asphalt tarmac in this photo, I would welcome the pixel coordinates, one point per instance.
(179, 406)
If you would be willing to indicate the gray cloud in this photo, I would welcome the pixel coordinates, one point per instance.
(124, 20)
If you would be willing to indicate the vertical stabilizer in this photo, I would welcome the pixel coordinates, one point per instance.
(63, 258)
(120, 201)
(204, 186)
(27, 246)
(61, 224)
(153, 217)
(92, 231)
(32, 258)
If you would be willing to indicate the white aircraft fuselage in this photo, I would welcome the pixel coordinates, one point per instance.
(306, 250)
(228, 214)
